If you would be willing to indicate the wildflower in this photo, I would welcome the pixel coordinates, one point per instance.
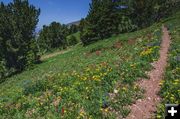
(84, 78)
(124, 88)
(176, 80)
(146, 52)
(97, 78)
(41, 103)
(175, 83)
(154, 59)
(158, 116)
(115, 91)
(161, 82)
(106, 110)
(133, 65)
(104, 74)
(172, 98)
(135, 87)
(97, 69)
(81, 114)
(88, 69)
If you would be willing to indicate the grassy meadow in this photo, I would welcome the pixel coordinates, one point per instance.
(92, 82)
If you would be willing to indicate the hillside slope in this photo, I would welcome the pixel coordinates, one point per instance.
(96, 81)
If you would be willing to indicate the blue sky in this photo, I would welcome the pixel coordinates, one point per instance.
(63, 11)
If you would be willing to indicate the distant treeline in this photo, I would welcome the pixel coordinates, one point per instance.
(55, 36)
(107, 17)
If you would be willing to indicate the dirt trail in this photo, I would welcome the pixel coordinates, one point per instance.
(144, 108)
(54, 54)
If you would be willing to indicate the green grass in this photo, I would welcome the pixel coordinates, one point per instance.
(82, 82)
(77, 35)
(170, 86)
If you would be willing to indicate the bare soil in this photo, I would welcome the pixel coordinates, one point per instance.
(53, 54)
(145, 108)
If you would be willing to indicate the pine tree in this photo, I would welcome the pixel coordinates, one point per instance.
(101, 22)
(53, 36)
(73, 29)
(18, 21)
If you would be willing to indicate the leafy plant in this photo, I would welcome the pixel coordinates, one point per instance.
(72, 40)
(32, 87)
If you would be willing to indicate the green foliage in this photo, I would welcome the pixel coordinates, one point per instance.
(79, 83)
(73, 29)
(126, 25)
(17, 25)
(72, 40)
(142, 12)
(88, 36)
(100, 23)
(145, 12)
(165, 8)
(35, 86)
(82, 24)
(3, 69)
(52, 36)
(97, 48)
(106, 17)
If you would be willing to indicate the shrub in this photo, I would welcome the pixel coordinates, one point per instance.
(19, 18)
(72, 40)
(31, 87)
(88, 36)
(52, 36)
(97, 48)
(126, 25)
(2, 69)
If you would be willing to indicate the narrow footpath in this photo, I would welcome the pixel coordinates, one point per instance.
(145, 108)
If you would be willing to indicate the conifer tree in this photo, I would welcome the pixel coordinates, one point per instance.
(18, 21)
(53, 36)
(101, 21)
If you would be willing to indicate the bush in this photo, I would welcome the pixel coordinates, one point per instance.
(52, 36)
(88, 36)
(31, 87)
(17, 45)
(126, 25)
(2, 70)
(98, 48)
(72, 40)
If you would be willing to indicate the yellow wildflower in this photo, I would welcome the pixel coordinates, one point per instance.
(106, 110)
(124, 88)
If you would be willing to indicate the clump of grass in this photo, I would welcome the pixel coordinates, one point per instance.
(31, 87)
